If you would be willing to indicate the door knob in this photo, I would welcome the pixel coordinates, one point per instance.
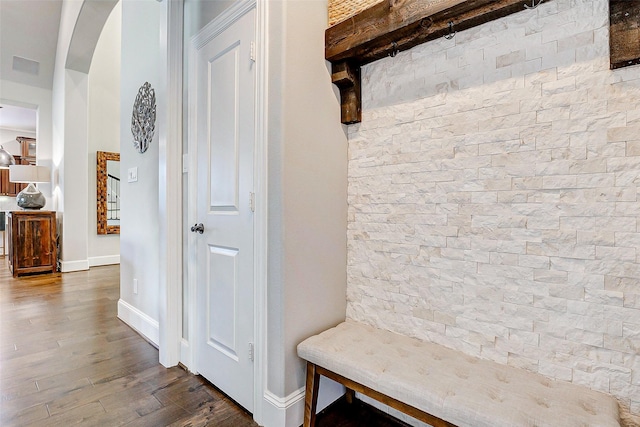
(198, 228)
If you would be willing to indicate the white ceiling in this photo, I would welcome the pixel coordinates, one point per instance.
(29, 29)
(18, 118)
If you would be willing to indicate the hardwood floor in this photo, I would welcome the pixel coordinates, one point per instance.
(66, 359)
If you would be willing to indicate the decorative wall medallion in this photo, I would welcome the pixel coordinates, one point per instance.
(143, 118)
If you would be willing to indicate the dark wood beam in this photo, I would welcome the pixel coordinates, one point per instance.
(624, 32)
(396, 25)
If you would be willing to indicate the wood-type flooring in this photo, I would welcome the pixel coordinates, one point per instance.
(66, 359)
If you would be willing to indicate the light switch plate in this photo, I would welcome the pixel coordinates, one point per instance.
(132, 175)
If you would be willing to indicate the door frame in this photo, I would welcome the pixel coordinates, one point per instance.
(170, 188)
(211, 30)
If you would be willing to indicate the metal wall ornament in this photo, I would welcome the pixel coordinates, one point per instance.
(143, 118)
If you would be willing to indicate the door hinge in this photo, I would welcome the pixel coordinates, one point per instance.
(251, 351)
(252, 201)
(252, 51)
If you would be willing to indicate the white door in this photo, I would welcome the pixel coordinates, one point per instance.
(225, 115)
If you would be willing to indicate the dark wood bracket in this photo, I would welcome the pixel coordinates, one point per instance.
(624, 32)
(346, 76)
(396, 25)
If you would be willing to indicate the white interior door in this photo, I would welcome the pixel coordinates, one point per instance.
(224, 93)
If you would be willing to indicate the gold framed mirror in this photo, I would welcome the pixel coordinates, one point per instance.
(108, 192)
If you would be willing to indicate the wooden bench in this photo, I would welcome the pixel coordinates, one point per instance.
(444, 387)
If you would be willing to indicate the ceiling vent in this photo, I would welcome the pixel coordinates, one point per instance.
(25, 65)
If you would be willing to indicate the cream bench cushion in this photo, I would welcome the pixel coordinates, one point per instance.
(463, 390)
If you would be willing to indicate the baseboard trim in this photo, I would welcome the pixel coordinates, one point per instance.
(289, 411)
(97, 261)
(69, 266)
(283, 411)
(139, 321)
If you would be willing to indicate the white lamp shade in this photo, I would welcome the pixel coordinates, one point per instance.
(29, 173)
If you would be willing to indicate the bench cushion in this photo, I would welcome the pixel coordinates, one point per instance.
(451, 385)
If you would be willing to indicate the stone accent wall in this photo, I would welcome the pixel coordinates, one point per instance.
(494, 198)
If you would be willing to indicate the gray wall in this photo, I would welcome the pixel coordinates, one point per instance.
(139, 243)
(307, 190)
(104, 128)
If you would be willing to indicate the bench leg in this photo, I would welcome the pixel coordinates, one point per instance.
(350, 395)
(311, 396)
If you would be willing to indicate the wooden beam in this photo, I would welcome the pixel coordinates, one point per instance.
(370, 35)
(396, 25)
(624, 32)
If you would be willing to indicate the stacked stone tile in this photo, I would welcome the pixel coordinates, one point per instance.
(493, 198)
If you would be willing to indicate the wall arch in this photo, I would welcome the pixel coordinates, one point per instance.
(86, 32)
(80, 28)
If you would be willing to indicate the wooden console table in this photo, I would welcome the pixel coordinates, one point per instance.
(32, 242)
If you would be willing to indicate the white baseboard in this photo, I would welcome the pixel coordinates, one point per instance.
(69, 266)
(289, 411)
(139, 321)
(104, 260)
(283, 411)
